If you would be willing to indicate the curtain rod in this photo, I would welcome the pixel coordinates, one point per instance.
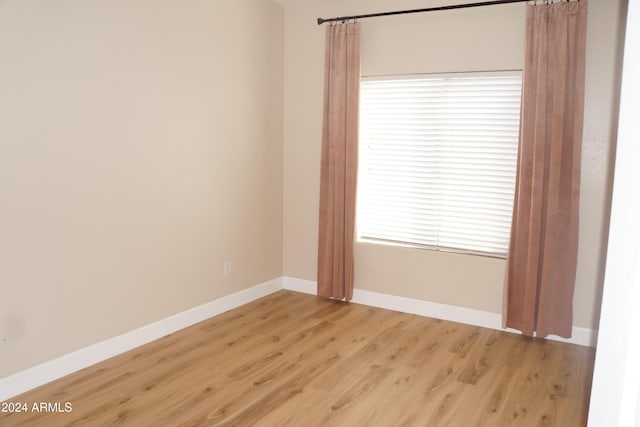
(428, 9)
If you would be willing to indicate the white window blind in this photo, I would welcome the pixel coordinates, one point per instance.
(438, 160)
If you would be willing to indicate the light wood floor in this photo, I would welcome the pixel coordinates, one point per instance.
(294, 359)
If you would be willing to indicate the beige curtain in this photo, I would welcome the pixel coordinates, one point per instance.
(339, 161)
(541, 265)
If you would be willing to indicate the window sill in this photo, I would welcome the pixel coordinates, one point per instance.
(381, 242)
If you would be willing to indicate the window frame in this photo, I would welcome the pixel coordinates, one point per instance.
(395, 243)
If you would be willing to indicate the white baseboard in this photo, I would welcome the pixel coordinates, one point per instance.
(469, 316)
(44, 373)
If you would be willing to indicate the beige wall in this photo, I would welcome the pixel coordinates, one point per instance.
(140, 148)
(466, 40)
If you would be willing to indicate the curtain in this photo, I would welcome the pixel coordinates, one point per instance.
(541, 265)
(339, 161)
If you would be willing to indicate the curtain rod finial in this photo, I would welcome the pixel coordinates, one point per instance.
(320, 21)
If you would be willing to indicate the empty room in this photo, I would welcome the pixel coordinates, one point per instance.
(319, 213)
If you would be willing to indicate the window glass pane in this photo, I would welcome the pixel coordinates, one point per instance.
(438, 160)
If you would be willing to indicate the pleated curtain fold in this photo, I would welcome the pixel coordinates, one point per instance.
(339, 161)
(541, 265)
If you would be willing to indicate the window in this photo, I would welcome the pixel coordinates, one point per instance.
(437, 160)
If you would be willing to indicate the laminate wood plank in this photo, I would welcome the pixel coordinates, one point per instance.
(294, 359)
(253, 414)
(499, 382)
(415, 345)
(374, 345)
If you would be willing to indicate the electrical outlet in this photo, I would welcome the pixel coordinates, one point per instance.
(227, 269)
(4, 340)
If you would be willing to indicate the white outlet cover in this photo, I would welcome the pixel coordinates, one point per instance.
(4, 340)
